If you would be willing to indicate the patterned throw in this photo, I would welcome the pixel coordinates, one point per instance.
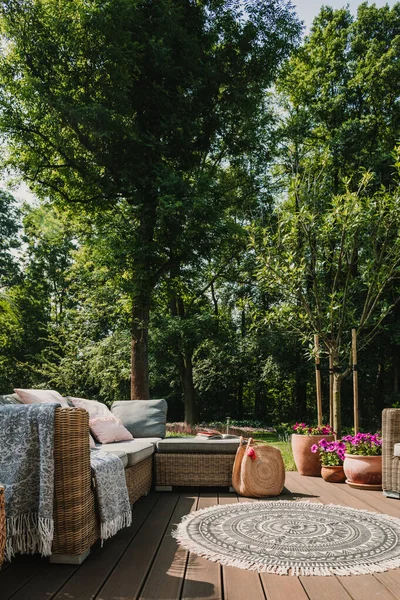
(112, 493)
(27, 473)
(293, 538)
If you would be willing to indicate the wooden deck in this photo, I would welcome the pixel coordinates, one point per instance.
(144, 562)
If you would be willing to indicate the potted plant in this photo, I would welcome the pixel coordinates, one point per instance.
(304, 436)
(363, 460)
(331, 455)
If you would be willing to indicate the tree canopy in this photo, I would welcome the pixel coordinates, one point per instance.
(159, 136)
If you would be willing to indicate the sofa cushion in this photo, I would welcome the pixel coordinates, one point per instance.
(136, 450)
(122, 455)
(32, 396)
(10, 399)
(108, 429)
(94, 408)
(104, 426)
(143, 418)
(195, 446)
(396, 450)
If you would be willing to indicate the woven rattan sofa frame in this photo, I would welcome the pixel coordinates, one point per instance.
(190, 469)
(76, 524)
(390, 463)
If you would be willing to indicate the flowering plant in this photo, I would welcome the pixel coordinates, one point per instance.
(330, 453)
(364, 444)
(304, 429)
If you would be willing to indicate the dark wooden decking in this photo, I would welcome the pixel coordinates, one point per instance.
(144, 561)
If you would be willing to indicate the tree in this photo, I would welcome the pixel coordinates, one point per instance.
(340, 92)
(9, 239)
(129, 107)
(336, 268)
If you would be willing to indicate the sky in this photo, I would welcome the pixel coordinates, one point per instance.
(308, 9)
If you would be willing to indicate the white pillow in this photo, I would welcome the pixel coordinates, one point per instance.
(94, 408)
(31, 396)
(109, 429)
(104, 426)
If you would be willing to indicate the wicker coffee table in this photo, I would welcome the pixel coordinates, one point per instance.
(194, 462)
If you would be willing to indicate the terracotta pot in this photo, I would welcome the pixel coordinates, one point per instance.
(306, 462)
(363, 471)
(334, 474)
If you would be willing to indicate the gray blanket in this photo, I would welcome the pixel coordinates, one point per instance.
(27, 473)
(111, 493)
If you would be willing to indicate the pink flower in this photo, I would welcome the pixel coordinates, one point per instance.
(250, 452)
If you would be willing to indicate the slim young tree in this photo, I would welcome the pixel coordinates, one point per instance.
(335, 269)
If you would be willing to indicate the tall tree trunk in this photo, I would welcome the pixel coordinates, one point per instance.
(139, 350)
(337, 407)
(185, 363)
(337, 391)
(143, 283)
(189, 392)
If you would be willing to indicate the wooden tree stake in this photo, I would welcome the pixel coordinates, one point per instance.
(355, 377)
(318, 380)
(330, 391)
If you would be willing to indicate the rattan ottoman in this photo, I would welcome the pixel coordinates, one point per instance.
(194, 462)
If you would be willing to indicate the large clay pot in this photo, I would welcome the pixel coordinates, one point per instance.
(333, 474)
(363, 471)
(307, 462)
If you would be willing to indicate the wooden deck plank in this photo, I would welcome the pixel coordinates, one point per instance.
(165, 578)
(337, 494)
(91, 575)
(283, 587)
(298, 488)
(47, 583)
(203, 577)
(16, 576)
(128, 576)
(391, 580)
(324, 588)
(366, 586)
(376, 501)
(240, 584)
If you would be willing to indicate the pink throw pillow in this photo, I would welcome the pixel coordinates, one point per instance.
(92, 442)
(94, 408)
(31, 396)
(109, 429)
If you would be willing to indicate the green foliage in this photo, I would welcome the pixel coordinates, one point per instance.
(332, 274)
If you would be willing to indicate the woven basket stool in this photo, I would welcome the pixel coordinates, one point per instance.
(2, 525)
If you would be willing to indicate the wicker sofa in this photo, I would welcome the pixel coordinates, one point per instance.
(76, 525)
(391, 452)
(76, 520)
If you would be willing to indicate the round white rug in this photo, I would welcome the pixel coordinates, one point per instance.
(293, 538)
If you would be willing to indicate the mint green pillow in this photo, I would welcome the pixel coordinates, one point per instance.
(142, 418)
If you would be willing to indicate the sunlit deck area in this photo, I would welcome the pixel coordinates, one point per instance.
(145, 562)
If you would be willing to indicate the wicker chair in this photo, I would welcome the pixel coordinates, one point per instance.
(390, 463)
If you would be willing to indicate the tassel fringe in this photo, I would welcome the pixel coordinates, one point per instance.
(110, 528)
(27, 534)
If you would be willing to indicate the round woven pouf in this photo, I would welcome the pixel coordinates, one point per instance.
(2, 525)
(258, 471)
